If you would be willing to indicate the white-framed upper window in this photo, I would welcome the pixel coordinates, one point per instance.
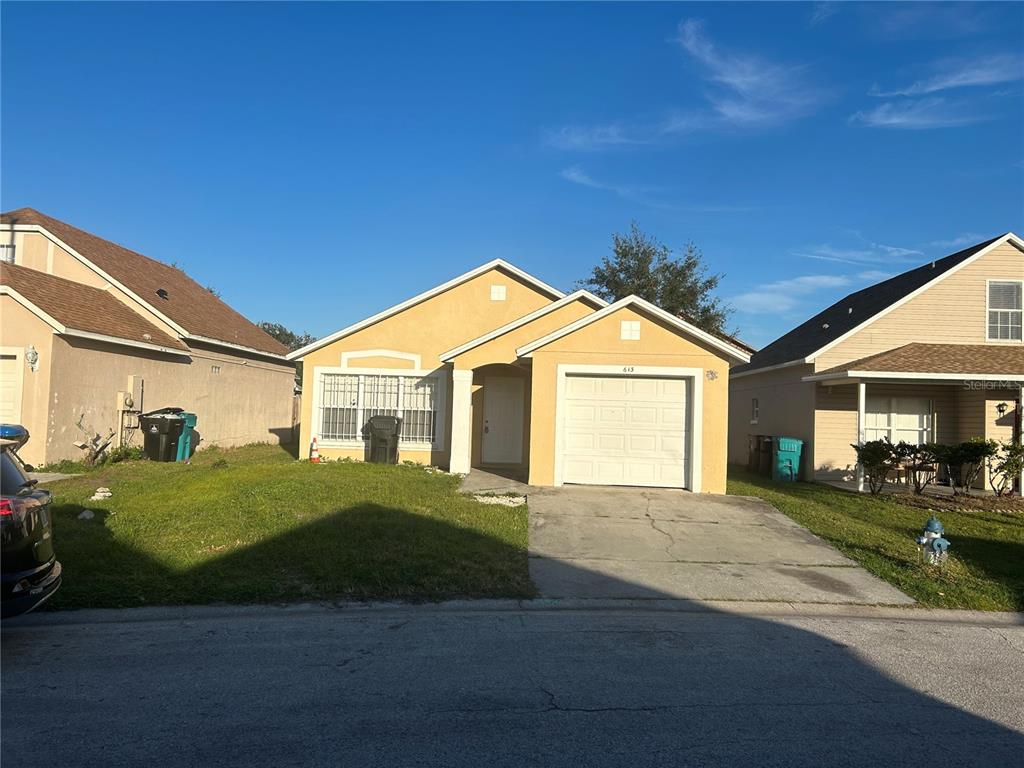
(498, 292)
(898, 418)
(629, 330)
(348, 400)
(1005, 310)
(755, 410)
(7, 253)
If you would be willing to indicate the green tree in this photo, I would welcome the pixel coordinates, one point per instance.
(641, 265)
(290, 339)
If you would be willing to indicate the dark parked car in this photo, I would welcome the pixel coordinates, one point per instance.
(30, 571)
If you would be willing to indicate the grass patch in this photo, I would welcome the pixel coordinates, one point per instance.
(984, 571)
(252, 525)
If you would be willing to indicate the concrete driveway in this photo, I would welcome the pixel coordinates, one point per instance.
(599, 542)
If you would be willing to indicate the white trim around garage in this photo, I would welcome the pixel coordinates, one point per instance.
(527, 350)
(416, 360)
(694, 454)
(419, 298)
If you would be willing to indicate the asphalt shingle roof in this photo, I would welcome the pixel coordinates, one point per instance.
(84, 308)
(959, 359)
(852, 310)
(187, 303)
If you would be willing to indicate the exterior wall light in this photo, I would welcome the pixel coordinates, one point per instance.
(32, 358)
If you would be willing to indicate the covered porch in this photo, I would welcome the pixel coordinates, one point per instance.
(919, 393)
(491, 420)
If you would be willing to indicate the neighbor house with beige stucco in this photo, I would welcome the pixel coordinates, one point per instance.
(93, 334)
(499, 370)
(934, 354)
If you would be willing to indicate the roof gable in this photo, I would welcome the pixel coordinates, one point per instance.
(581, 295)
(856, 310)
(733, 350)
(188, 305)
(72, 307)
(496, 264)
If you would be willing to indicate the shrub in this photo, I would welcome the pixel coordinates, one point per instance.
(1004, 466)
(123, 453)
(919, 461)
(964, 462)
(876, 458)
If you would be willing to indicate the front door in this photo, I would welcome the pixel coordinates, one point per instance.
(503, 420)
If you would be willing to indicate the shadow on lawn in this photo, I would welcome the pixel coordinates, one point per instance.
(704, 687)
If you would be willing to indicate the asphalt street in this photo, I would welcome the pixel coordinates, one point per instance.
(501, 684)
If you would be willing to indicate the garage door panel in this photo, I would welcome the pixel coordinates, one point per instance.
(625, 431)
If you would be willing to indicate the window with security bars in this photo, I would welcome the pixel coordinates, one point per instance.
(347, 401)
(1005, 310)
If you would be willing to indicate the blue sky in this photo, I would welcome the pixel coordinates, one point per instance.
(317, 163)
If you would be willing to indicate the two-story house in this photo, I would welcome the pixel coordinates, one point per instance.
(935, 354)
(93, 334)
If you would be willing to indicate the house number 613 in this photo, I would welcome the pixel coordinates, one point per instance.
(627, 369)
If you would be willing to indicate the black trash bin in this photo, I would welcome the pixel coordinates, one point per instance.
(383, 432)
(161, 430)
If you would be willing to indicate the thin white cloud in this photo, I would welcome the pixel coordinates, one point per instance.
(918, 114)
(874, 275)
(751, 90)
(991, 70)
(784, 295)
(643, 195)
(869, 253)
(588, 138)
(745, 91)
(822, 12)
(961, 241)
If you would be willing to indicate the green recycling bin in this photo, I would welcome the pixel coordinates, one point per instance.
(185, 449)
(786, 458)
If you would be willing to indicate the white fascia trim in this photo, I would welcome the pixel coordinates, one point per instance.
(447, 357)
(779, 366)
(495, 263)
(696, 427)
(6, 290)
(954, 377)
(75, 254)
(229, 345)
(635, 301)
(123, 342)
(1009, 237)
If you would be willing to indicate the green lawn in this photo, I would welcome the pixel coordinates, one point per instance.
(251, 524)
(986, 566)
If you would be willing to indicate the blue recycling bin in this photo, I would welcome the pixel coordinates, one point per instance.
(786, 458)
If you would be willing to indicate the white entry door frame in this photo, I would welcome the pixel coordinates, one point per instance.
(502, 439)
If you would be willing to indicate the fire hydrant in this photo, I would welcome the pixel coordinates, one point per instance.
(931, 544)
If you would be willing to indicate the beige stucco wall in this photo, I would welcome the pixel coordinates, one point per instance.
(786, 408)
(427, 329)
(249, 400)
(37, 251)
(20, 329)
(953, 311)
(599, 344)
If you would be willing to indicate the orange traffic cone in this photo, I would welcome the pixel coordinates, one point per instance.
(314, 453)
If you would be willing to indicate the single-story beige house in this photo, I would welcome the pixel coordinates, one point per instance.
(93, 334)
(497, 369)
(935, 354)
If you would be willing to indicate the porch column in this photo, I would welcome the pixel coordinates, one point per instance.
(1020, 434)
(462, 421)
(862, 390)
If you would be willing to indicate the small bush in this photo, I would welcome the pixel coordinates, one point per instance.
(876, 458)
(123, 453)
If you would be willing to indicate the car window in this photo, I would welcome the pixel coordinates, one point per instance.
(11, 476)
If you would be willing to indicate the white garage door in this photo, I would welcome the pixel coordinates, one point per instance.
(625, 431)
(11, 370)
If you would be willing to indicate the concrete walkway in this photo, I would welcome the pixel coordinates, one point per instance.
(646, 543)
